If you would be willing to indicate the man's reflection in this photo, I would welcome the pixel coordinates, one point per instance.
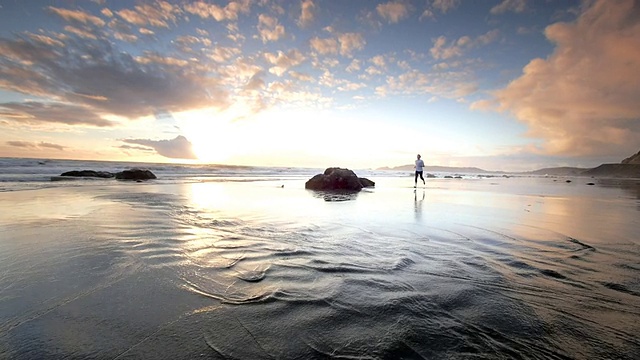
(417, 204)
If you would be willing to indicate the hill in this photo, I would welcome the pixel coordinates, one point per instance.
(448, 169)
(633, 159)
(627, 168)
(559, 171)
(614, 170)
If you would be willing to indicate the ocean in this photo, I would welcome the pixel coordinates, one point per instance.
(238, 262)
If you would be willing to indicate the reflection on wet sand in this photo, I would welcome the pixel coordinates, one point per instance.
(417, 204)
(252, 271)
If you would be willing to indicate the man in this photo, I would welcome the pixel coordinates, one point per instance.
(419, 169)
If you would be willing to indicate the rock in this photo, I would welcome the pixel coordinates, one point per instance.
(135, 174)
(88, 173)
(448, 177)
(590, 184)
(430, 176)
(366, 182)
(335, 178)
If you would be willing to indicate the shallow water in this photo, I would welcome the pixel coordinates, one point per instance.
(492, 268)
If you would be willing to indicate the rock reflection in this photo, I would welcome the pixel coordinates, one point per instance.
(335, 195)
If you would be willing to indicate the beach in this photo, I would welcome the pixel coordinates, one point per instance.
(251, 265)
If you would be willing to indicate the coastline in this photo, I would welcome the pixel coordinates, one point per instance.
(252, 269)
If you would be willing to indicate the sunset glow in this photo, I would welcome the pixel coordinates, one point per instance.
(503, 85)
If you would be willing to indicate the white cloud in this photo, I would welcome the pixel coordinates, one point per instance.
(324, 46)
(283, 61)
(379, 61)
(427, 14)
(350, 42)
(269, 28)
(354, 65)
(345, 44)
(393, 11)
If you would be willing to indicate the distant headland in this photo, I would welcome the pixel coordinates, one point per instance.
(627, 168)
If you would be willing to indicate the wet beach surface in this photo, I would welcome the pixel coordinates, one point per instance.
(491, 268)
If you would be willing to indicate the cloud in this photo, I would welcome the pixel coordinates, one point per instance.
(324, 46)
(283, 62)
(445, 5)
(32, 112)
(85, 34)
(228, 12)
(441, 50)
(22, 144)
(139, 148)
(178, 148)
(583, 98)
(106, 12)
(32, 145)
(77, 16)
(393, 12)
(307, 13)
(450, 85)
(355, 65)
(345, 44)
(516, 6)
(156, 14)
(269, 28)
(350, 42)
(94, 74)
(427, 14)
(489, 37)
(301, 76)
(46, 40)
(51, 146)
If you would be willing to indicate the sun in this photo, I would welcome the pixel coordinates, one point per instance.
(213, 138)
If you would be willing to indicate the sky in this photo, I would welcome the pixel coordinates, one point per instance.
(509, 85)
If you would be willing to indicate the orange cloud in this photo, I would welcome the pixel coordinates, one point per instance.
(583, 99)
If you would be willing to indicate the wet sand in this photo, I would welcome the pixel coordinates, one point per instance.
(482, 268)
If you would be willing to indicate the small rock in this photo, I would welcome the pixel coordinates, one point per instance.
(135, 174)
(88, 173)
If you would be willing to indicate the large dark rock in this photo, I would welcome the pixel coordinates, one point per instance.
(135, 174)
(88, 173)
(335, 178)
